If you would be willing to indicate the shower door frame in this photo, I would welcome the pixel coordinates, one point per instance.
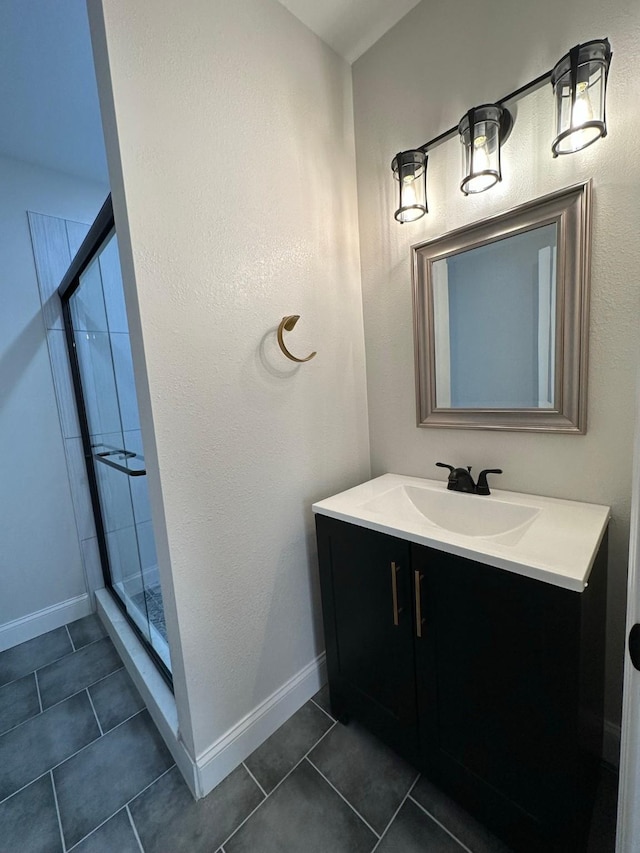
(102, 226)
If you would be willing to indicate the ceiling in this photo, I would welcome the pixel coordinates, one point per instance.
(50, 110)
(350, 26)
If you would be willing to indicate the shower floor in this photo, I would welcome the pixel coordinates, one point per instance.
(149, 602)
(145, 609)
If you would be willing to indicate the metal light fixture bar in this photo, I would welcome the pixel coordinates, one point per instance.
(538, 83)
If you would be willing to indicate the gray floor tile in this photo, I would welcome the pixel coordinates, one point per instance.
(29, 656)
(304, 814)
(414, 832)
(114, 836)
(86, 630)
(115, 699)
(29, 821)
(366, 772)
(168, 818)
(322, 699)
(18, 702)
(77, 671)
(98, 781)
(465, 828)
(271, 762)
(44, 741)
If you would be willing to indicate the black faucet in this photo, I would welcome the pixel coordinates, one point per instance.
(460, 479)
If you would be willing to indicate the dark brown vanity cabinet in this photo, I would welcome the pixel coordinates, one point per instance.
(491, 683)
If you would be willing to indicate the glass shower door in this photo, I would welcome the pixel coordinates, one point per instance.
(115, 454)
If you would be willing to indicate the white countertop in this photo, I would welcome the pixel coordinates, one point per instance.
(558, 544)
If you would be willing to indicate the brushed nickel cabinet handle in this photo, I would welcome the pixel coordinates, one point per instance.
(417, 577)
(394, 594)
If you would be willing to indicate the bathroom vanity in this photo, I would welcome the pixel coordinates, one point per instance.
(468, 633)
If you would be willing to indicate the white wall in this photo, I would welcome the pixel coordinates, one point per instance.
(40, 561)
(417, 81)
(229, 132)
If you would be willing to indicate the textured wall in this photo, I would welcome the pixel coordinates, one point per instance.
(230, 141)
(40, 561)
(414, 83)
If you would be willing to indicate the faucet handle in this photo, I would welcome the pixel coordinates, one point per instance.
(482, 488)
(444, 465)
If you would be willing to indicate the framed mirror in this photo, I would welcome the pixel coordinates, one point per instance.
(501, 319)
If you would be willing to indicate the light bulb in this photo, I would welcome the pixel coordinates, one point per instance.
(582, 108)
(411, 210)
(582, 112)
(408, 191)
(481, 163)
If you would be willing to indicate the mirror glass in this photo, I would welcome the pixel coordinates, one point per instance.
(495, 323)
(501, 319)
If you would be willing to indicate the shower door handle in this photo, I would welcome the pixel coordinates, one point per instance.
(102, 457)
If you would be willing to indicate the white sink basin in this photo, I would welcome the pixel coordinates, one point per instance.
(470, 515)
(543, 538)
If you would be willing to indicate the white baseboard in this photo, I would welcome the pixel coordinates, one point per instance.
(34, 624)
(247, 734)
(611, 743)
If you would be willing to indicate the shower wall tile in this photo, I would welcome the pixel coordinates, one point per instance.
(140, 497)
(63, 383)
(80, 493)
(76, 232)
(52, 259)
(133, 441)
(113, 288)
(115, 560)
(111, 440)
(104, 354)
(54, 242)
(125, 381)
(138, 485)
(152, 581)
(115, 497)
(92, 564)
(98, 382)
(147, 546)
(87, 307)
(124, 558)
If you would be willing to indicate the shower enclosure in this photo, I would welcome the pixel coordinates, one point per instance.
(98, 341)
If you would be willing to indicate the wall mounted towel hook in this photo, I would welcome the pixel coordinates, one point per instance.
(286, 324)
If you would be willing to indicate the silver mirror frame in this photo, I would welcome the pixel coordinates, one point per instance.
(571, 210)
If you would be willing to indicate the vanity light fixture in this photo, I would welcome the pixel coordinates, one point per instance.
(410, 170)
(482, 131)
(579, 82)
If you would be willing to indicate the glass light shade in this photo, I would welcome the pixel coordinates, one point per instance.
(410, 170)
(480, 131)
(579, 84)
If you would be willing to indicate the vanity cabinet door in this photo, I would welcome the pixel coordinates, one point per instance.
(367, 608)
(499, 655)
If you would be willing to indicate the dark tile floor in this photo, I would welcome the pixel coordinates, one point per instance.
(82, 768)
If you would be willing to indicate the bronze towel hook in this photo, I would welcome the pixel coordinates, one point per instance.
(287, 323)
